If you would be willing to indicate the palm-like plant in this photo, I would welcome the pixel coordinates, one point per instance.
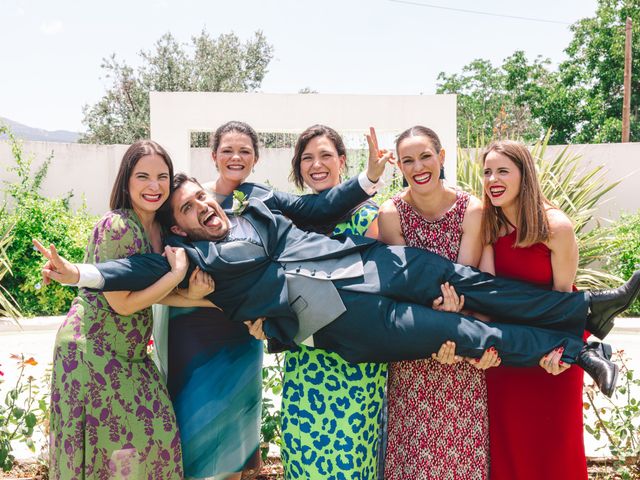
(574, 190)
(7, 304)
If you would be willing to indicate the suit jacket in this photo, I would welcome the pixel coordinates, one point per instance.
(252, 282)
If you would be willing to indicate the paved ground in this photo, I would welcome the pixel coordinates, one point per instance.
(38, 334)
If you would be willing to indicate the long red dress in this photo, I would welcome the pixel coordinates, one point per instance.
(535, 418)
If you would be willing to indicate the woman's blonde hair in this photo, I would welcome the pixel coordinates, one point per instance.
(532, 222)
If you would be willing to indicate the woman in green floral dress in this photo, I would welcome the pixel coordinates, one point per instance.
(111, 417)
(330, 408)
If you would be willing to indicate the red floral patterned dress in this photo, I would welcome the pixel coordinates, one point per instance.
(438, 427)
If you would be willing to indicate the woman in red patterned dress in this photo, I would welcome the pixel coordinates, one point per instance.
(437, 427)
(535, 419)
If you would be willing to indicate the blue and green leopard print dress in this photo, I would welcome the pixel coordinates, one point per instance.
(331, 408)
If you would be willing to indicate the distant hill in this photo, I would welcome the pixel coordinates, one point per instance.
(25, 132)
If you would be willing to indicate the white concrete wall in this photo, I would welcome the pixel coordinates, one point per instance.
(174, 115)
(622, 161)
(90, 170)
(87, 170)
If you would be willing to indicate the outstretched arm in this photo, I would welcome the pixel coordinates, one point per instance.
(136, 272)
(125, 300)
(323, 207)
(132, 273)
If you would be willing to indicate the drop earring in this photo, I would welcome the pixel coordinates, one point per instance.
(441, 177)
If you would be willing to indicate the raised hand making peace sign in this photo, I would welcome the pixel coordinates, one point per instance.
(378, 159)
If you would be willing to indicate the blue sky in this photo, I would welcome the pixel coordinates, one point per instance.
(50, 51)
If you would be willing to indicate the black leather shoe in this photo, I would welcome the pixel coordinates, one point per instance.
(594, 360)
(607, 304)
(603, 348)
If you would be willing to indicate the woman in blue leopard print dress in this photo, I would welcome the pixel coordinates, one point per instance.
(330, 408)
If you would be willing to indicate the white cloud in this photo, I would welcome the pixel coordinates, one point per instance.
(51, 27)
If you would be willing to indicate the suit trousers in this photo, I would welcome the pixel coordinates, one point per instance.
(388, 316)
(414, 275)
(379, 329)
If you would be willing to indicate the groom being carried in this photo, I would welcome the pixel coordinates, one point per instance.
(360, 298)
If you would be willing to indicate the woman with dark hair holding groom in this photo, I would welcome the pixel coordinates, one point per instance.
(214, 371)
(320, 388)
(215, 375)
(111, 416)
(437, 407)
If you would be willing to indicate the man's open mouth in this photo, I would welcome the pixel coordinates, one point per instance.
(210, 219)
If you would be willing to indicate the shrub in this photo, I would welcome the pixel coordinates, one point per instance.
(617, 420)
(49, 220)
(7, 302)
(271, 425)
(24, 409)
(625, 256)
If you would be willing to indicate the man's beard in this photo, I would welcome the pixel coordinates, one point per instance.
(200, 234)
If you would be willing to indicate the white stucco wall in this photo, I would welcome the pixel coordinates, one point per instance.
(87, 170)
(622, 161)
(175, 115)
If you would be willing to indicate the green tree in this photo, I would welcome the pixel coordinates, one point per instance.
(581, 102)
(594, 71)
(496, 102)
(222, 64)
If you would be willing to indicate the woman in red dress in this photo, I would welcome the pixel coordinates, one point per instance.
(535, 414)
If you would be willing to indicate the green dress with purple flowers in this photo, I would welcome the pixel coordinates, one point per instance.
(111, 417)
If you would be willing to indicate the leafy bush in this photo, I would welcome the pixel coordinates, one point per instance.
(617, 420)
(24, 409)
(271, 425)
(49, 220)
(625, 256)
(7, 302)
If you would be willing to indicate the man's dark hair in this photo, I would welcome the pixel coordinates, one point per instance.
(165, 214)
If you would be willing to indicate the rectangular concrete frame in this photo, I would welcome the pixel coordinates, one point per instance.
(175, 115)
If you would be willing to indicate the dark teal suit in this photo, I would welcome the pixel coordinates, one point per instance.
(387, 315)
